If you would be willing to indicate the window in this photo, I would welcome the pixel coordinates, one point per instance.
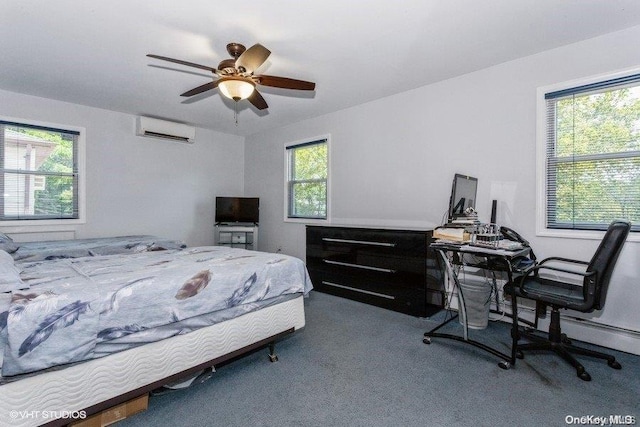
(38, 172)
(307, 178)
(592, 154)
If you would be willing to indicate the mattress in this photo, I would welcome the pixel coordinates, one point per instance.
(76, 307)
(34, 400)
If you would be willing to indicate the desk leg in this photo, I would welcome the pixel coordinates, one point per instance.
(515, 334)
(462, 309)
(505, 363)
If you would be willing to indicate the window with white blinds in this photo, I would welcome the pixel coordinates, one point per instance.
(38, 172)
(307, 178)
(592, 164)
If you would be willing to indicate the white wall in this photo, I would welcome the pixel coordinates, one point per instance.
(393, 160)
(138, 185)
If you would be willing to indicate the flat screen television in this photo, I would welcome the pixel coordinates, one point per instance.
(463, 195)
(237, 209)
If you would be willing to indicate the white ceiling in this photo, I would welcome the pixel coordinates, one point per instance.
(93, 52)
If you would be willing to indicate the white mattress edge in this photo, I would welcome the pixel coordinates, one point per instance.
(86, 384)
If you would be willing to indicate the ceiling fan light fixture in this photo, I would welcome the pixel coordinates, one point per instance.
(235, 76)
(236, 89)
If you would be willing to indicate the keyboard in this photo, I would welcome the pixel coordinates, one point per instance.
(509, 245)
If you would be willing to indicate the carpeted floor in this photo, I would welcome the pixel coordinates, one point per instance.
(359, 365)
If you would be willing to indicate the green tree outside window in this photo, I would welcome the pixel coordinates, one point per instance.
(593, 159)
(307, 183)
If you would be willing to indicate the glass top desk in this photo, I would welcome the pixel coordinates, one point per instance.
(484, 258)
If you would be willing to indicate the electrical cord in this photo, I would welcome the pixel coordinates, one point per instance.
(500, 301)
(445, 217)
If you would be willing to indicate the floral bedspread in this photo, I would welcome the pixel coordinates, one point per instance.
(73, 304)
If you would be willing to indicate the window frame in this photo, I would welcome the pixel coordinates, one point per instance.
(287, 182)
(541, 156)
(27, 225)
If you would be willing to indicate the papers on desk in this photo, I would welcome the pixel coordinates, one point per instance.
(460, 236)
(451, 234)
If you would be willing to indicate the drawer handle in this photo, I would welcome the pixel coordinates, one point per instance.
(358, 290)
(359, 242)
(364, 267)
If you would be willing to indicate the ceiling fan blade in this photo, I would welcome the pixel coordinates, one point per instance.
(257, 100)
(284, 82)
(179, 61)
(205, 87)
(252, 58)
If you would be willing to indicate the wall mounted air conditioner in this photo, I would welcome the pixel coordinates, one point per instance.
(156, 128)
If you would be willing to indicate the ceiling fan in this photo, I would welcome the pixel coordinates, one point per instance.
(236, 79)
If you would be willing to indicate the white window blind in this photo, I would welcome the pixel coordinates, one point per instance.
(38, 172)
(593, 155)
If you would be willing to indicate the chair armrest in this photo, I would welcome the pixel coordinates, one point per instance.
(533, 271)
(564, 270)
(541, 265)
(560, 259)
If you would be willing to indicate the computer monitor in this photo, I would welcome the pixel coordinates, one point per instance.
(463, 195)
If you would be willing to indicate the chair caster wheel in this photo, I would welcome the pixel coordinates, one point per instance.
(584, 376)
(519, 354)
(426, 340)
(504, 365)
(273, 358)
(614, 364)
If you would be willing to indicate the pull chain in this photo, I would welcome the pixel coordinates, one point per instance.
(235, 112)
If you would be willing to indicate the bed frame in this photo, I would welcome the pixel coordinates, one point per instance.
(99, 384)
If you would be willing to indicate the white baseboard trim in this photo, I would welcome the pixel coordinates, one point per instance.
(609, 336)
(586, 330)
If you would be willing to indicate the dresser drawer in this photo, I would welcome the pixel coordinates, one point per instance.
(366, 260)
(375, 241)
(384, 271)
(407, 299)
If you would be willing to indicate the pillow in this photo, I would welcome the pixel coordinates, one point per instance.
(9, 274)
(7, 244)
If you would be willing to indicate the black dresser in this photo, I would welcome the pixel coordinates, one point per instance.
(394, 269)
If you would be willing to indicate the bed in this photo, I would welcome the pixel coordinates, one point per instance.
(93, 316)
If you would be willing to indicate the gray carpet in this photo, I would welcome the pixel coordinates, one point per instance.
(359, 365)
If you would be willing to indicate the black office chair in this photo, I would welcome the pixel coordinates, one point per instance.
(588, 296)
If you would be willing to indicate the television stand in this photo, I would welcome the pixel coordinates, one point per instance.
(238, 235)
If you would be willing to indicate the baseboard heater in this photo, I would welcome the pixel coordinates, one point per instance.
(632, 332)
